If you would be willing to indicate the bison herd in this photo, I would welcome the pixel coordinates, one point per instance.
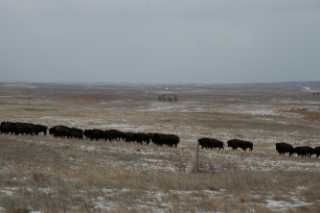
(138, 137)
(301, 151)
(18, 128)
(282, 148)
(212, 143)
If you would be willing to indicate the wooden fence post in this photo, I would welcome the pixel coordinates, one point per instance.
(197, 158)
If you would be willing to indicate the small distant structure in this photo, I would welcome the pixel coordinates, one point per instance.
(168, 98)
(315, 93)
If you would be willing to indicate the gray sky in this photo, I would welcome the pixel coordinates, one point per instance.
(164, 41)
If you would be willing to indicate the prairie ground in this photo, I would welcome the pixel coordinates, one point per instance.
(46, 174)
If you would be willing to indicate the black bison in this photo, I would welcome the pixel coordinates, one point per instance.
(66, 132)
(137, 137)
(210, 143)
(94, 134)
(303, 151)
(19, 128)
(164, 139)
(283, 148)
(76, 133)
(244, 145)
(114, 135)
(317, 151)
(109, 135)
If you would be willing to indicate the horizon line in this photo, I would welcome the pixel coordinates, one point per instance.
(155, 83)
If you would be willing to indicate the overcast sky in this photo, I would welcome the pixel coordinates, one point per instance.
(164, 41)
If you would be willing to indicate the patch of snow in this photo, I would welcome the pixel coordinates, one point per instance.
(259, 163)
(280, 205)
(210, 193)
(107, 190)
(45, 190)
(102, 204)
(263, 112)
(301, 188)
(8, 191)
(213, 194)
(88, 148)
(164, 107)
(152, 160)
(156, 167)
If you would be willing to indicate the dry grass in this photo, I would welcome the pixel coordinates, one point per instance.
(307, 115)
(58, 175)
(312, 116)
(69, 185)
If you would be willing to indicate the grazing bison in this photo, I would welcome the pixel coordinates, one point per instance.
(59, 131)
(95, 134)
(210, 143)
(283, 148)
(236, 143)
(66, 132)
(317, 151)
(41, 129)
(19, 128)
(8, 128)
(165, 139)
(114, 135)
(76, 133)
(303, 151)
(137, 137)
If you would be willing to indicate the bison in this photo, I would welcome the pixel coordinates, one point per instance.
(317, 151)
(210, 143)
(76, 133)
(66, 132)
(137, 137)
(19, 128)
(244, 145)
(41, 129)
(114, 135)
(283, 148)
(303, 151)
(164, 139)
(94, 134)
